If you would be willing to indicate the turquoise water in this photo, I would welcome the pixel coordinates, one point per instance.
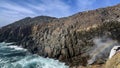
(12, 56)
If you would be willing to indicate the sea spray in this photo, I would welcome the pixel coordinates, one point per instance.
(101, 49)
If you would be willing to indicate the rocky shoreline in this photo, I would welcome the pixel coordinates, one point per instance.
(68, 39)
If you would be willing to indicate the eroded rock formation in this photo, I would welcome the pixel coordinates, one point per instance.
(68, 39)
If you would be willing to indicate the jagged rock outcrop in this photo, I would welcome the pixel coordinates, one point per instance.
(114, 62)
(68, 39)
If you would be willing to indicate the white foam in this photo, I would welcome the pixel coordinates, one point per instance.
(4, 43)
(17, 48)
(38, 62)
(27, 60)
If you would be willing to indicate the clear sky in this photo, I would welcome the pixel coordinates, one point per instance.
(12, 10)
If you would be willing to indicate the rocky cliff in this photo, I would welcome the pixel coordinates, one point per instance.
(68, 39)
(114, 62)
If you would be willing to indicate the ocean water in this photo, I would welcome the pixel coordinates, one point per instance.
(12, 56)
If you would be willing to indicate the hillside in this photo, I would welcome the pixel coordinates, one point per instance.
(68, 39)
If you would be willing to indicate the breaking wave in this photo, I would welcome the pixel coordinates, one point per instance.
(12, 56)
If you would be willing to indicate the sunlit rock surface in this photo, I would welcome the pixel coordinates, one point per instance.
(114, 62)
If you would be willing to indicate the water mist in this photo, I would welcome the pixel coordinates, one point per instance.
(102, 48)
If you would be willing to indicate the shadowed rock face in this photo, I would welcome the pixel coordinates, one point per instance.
(68, 39)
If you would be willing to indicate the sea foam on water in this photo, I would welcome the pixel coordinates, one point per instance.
(12, 56)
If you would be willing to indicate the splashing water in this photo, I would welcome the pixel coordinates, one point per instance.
(102, 48)
(12, 56)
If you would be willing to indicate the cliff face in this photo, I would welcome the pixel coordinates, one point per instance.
(68, 39)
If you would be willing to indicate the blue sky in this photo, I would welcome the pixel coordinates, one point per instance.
(13, 10)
